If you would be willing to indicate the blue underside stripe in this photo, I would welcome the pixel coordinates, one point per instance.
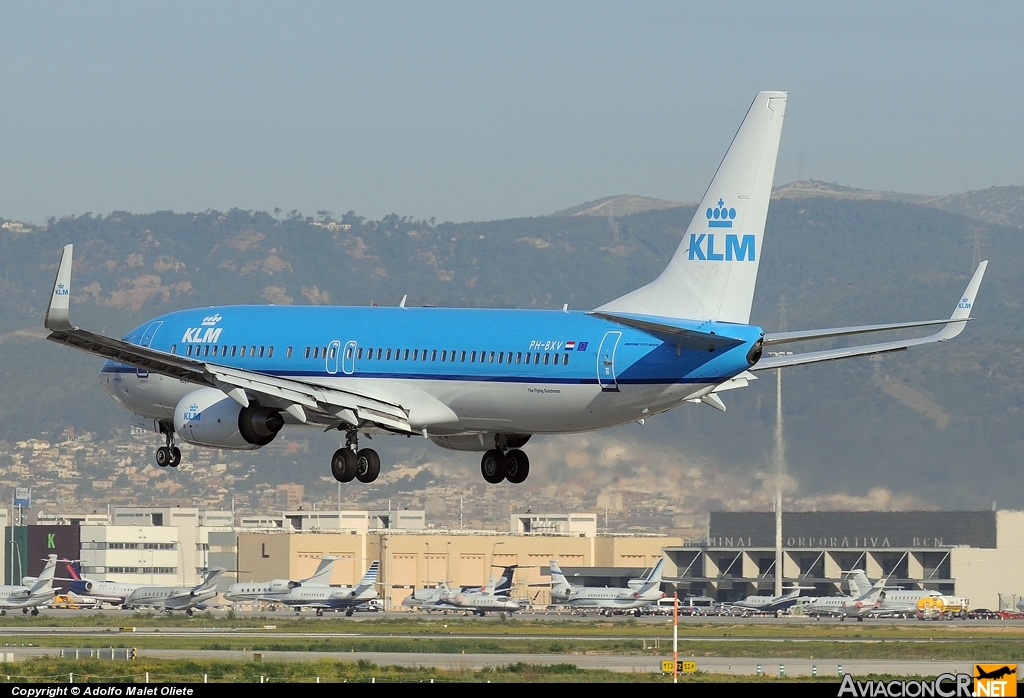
(306, 376)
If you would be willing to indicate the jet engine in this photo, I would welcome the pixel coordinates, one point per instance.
(208, 417)
(282, 586)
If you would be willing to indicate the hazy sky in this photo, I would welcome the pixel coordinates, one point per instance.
(472, 111)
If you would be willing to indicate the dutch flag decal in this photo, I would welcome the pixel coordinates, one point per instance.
(570, 345)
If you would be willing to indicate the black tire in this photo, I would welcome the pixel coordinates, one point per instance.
(188, 612)
(348, 612)
(343, 465)
(35, 611)
(163, 456)
(175, 457)
(517, 466)
(492, 466)
(367, 465)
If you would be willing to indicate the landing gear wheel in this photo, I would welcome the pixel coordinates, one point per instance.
(348, 612)
(343, 465)
(163, 456)
(492, 466)
(175, 457)
(188, 612)
(517, 466)
(35, 611)
(319, 612)
(24, 611)
(367, 465)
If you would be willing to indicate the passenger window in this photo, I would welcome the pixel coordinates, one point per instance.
(288, 353)
(359, 353)
(270, 352)
(508, 358)
(490, 358)
(387, 355)
(462, 357)
(206, 350)
(398, 353)
(500, 355)
(433, 355)
(519, 357)
(173, 347)
(527, 357)
(406, 357)
(369, 353)
(472, 357)
(261, 352)
(423, 356)
(348, 352)
(188, 352)
(536, 358)
(546, 359)
(323, 352)
(334, 351)
(415, 354)
(565, 359)
(252, 351)
(305, 355)
(451, 355)
(316, 352)
(444, 354)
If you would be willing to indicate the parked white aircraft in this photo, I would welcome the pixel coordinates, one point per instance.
(611, 599)
(858, 605)
(894, 600)
(32, 593)
(275, 589)
(176, 598)
(336, 598)
(104, 591)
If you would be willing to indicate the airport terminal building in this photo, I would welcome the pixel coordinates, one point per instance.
(974, 554)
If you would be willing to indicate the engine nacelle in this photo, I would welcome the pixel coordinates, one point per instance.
(87, 586)
(472, 442)
(282, 586)
(208, 417)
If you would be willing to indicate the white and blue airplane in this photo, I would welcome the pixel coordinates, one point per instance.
(477, 379)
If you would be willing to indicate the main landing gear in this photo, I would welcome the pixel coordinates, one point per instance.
(169, 455)
(513, 466)
(352, 462)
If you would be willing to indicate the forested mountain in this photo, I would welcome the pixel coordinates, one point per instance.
(941, 425)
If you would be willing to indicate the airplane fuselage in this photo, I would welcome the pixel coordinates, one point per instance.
(457, 371)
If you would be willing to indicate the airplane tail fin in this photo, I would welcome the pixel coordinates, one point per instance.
(504, 585)
(859, 583)
(653, 580)
(322, 576)
(45, 579)
(558, 580)
(370, 578)
(714, 269)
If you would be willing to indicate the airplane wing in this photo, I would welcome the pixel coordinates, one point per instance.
(303, 401)
(950, 329)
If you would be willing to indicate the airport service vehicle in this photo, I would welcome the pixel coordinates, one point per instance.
(232, 377)
(32, 593)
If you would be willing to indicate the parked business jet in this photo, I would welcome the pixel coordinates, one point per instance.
(440, 598)
(107, 592)
(275, 589)
(316, 594)
(611, 599)
(32, 593)
(176, 598)
(769, 604)
(895, 600)
(860, 604)
(477, 379)
(496, 595)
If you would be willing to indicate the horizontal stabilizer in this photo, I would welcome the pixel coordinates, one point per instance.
(679, 337)
(950, 329)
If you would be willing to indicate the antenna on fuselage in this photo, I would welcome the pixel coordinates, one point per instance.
(402, 304)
